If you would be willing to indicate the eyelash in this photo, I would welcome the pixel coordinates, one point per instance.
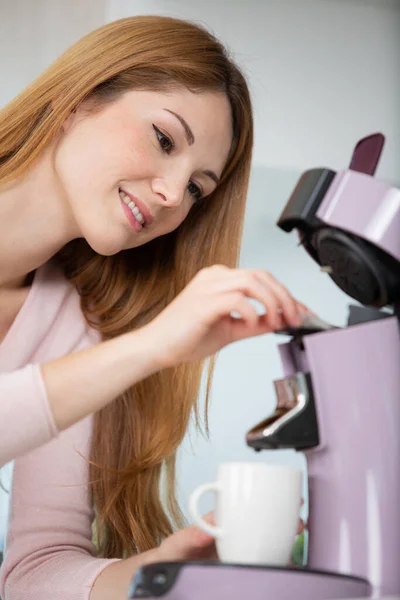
(167, 148)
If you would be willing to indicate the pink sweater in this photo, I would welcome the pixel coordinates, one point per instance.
(49, 553)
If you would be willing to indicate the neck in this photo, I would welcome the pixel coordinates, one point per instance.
(35, 221)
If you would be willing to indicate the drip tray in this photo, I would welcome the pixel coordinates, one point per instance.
(220, 581)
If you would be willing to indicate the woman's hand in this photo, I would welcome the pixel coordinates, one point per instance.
(199, 321)
(188, 544)
(193, 544)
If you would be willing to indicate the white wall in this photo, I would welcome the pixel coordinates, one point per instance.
(34, 32)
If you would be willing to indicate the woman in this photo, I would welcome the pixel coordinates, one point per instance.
(123, 176)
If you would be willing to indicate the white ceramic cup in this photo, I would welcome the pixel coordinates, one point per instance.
(257, 512)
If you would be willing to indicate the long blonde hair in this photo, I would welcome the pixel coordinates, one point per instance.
(136, 437)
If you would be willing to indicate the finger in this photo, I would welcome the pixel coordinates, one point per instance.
(238, 304)
(209, 518)
(227, 279)
(250, 285)
(248, 324)
(200, 539)
(241, 330)
(289, 306)
(213, 273)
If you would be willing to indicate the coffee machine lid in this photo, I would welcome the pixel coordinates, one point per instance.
(349, 223)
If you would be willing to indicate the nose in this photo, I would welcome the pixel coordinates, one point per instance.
(171, 189)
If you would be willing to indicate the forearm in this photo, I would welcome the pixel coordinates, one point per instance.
(113, 582)
(84, 382)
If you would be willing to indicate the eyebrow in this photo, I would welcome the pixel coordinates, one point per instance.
(190, 140)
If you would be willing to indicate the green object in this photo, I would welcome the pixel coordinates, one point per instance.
(298, 551)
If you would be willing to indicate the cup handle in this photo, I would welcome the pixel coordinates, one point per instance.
(213, 530)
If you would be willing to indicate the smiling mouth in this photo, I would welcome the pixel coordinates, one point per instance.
(134, 209)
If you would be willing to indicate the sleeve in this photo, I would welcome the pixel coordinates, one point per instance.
(24, 407)
(49, 554)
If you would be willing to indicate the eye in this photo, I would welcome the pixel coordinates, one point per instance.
(194, 191)
(165, 143)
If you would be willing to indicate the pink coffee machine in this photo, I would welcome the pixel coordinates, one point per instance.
(338, 402)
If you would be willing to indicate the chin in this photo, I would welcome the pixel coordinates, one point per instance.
(103, 251)
(104, 245)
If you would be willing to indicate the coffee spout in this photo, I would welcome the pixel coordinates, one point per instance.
(293, 423)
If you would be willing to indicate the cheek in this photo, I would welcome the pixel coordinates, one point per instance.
(139, 159)
(79, 164)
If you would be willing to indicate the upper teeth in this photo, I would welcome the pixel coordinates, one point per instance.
(135, 211)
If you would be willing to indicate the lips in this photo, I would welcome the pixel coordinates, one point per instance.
(148, 217)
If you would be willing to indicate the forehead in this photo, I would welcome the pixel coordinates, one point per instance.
(208, 115)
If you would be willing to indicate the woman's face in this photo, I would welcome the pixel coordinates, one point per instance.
(132, 171)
